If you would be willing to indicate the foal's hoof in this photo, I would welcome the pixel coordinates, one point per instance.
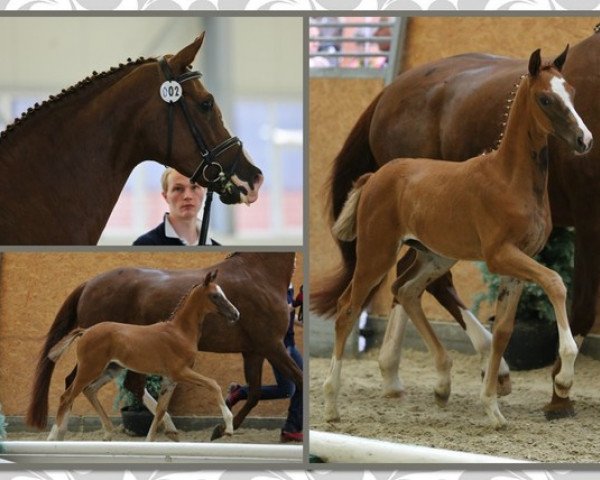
(441, 399)
(217, 432)
(172, 435)
(564, 408)
(504, 385)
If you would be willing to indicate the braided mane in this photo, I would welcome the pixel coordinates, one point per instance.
(67, 92)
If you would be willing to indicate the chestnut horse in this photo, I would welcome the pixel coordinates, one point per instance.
(166, 348)
(453, 109)
(256, 283)
(493, 207)
(91, 136)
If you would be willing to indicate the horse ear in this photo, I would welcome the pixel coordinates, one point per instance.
(207, 279)
(214, 275)
(186, 56)
(560, 60)
(535, 61)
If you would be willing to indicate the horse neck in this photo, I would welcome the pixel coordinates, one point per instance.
(79, 149)
(522, 155)
(190, 315)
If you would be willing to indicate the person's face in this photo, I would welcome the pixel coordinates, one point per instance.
(184, 198)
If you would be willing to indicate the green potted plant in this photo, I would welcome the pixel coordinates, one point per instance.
(135, 416)
(535, 337)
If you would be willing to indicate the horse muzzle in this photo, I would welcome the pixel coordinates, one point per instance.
(583, 143)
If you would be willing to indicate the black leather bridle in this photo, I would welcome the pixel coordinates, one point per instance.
(209, 168)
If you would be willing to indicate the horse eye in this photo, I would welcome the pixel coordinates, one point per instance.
(545, 101)
(207, 105)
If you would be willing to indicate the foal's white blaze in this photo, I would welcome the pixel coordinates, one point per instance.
(558, 87)
(220, 291)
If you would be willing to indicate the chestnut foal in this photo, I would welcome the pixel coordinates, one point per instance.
(492, 207)
(167, 348)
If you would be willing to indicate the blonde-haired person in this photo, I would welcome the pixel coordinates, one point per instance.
(180, 225)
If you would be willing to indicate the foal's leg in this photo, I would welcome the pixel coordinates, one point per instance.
(481, 339)
(253, 374)
(371, 268)
(427, 267)
(190, 376)
(508, 299)
(509, 260)
(90, 392)
(84, 377)
(166, 392)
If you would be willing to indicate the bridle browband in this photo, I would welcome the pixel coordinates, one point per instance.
(209, 169)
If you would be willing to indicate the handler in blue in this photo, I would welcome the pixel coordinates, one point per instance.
(180, 225)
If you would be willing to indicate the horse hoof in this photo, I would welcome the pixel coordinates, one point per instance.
(393, 394)
(562, 390)
(441, 399)
(217, 432)
(504, 385)
(172, 435)
(563, 409)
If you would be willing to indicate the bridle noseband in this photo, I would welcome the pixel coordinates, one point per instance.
(210, 170)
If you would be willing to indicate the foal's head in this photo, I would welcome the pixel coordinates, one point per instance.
(215, 300)
(551, 98)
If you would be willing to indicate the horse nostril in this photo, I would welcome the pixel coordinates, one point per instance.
(258, 180)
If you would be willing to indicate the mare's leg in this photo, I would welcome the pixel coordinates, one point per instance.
(90, 392)
(166, 392)
(508, 298)
(371, 267)
(509, 260)
(253, 373)
(411, 286)
(190, 376)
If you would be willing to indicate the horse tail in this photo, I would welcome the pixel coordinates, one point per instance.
(354, 159)
(344, 228)
(65, 321)
(57, 350)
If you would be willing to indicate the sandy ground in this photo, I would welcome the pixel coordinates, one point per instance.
(463, 424)
(243, 435)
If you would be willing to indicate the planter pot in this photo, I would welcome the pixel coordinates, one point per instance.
(533, 344)
(136, 421)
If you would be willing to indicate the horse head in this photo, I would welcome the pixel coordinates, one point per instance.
(219, 302)
(552, 100)
(198, 144)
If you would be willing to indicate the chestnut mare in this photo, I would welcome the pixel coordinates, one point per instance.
(166, 348)
(256, 283)
(493, 207)
(452, 109)
(91, 136)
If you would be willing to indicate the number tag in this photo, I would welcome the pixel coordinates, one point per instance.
(171, 91)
